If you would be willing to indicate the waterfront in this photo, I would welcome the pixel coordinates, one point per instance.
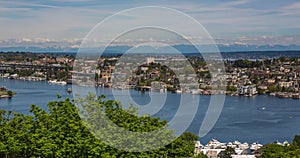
(261, 118)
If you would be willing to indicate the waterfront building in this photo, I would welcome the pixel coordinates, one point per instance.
(286, 84)
(247, 90)
(158, 87)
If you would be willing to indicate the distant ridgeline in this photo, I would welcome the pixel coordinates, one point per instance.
(228, 52)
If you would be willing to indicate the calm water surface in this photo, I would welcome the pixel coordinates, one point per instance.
(242, 118)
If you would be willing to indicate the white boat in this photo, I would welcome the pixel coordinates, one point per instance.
(198, 145)
(194, 92)
(286, 143)
(231, 145)
(278, 143)
(244, 146)
(272, 94)
(214, 144)
(160, 90)
(178, 91)
(62, 82)
(57, 82)
(52, 81)
(255, 146)
(237, 142)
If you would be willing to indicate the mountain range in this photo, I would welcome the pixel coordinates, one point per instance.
(182, 48)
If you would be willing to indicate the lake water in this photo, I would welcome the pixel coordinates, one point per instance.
(242, 118)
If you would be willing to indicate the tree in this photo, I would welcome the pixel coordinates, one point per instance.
(279, 151)
(272, 89)
(96, 77)
(227, 153)
(201, 155)
(273, 150)
(60, 132)
(296, 140)
(182, 146)
(256, 80)
(10, 93)
(231, 88)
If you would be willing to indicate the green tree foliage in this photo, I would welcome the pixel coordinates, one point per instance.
(10, 93)
(279, 151)
(182, 146)
(227, 153)
(201, 155)
(296, 140)
(59, 132)
(247, 64)
(275, 89)
(231, 88)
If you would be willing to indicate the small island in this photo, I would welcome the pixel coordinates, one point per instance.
(5, 93)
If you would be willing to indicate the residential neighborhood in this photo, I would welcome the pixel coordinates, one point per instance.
(277, 77)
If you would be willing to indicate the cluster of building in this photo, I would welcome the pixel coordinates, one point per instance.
(247, 90)
(214, 149)
(36, 67)
(277, 77)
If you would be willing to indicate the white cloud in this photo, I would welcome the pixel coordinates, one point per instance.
(238, 2)
(72, 0)
(75, 46)
(5, 10)
(292, 9)
(292, 6)
(20, 4)
(75, 43)
(262, 40)
(26, 40)
(240, 43)
(226, 20)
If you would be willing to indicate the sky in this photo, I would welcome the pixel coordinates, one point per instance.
(65, 23)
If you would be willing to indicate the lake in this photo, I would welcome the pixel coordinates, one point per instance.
(248, 119)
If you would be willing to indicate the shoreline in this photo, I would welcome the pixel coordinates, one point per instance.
(255, 105)
(282, 95)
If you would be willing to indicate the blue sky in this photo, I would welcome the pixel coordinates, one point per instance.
(64, 23)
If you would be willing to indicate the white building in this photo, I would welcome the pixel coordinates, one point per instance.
(247, 90)
(150, 60)
(212, 153)
(286, 84)
(158, 87)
